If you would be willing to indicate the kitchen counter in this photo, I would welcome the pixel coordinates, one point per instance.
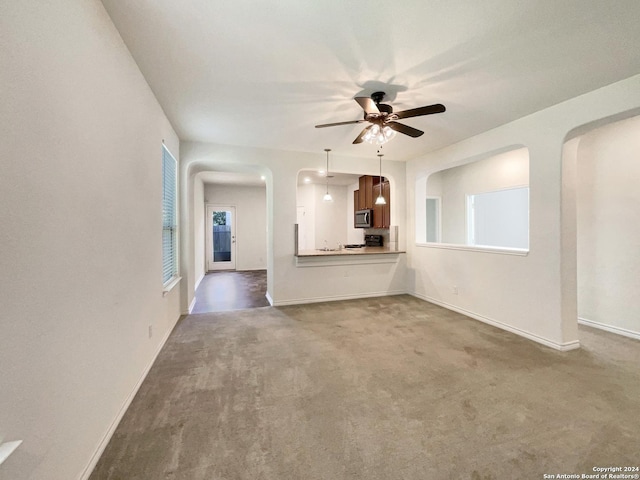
(348, 251)
(347, 256)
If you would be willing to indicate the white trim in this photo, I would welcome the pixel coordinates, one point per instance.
(610, 328)
(563, 347)
(198, 282)
(522, 252)
(335, 298)
(269, 299)
(191, 305)
(7, 449)
(439, 213)
(169, 286)
(123, 409)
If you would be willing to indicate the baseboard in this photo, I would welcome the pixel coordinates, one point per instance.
(269, 299)
(114, 424)
(609, 328)
(191, 305)
(334, 298)
(198, 282)
(503, 326)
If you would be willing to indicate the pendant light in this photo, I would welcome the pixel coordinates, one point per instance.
(327, 197)
(380, 200)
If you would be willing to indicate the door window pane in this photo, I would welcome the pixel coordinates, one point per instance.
(222, 236)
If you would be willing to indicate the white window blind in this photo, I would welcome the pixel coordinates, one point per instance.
(169, 217)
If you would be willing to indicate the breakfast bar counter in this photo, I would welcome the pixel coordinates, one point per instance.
(347, 256)
(348, 251)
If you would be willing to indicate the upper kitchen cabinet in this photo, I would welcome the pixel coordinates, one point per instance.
(365, 192)
(365, 198)
(382, 213)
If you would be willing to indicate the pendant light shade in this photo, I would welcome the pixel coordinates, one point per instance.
(327, 196)
(380, 200)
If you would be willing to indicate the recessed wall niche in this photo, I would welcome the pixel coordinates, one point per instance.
(483, 203)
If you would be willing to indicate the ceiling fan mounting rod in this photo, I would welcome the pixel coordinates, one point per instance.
(377, 96)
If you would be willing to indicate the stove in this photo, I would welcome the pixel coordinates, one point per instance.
(373, 240)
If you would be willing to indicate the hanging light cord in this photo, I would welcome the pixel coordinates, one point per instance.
(380, 200)
(327, 171)
(327, 197)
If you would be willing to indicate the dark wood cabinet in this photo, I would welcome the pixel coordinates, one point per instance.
(365, 192)
(378, 214)
(365, 198)
(386, 209)
(382, 213)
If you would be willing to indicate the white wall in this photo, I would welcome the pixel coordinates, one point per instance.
(286, 282)
(496, 172)
(81, 256)
(331, 228)
(326, 224)
(608, 225)
(354, 235)
(251, 221)
(306, 199)
(332, 222)
(532, 295)
(199, 213)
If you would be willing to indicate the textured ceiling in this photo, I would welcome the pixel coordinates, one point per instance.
(263, 73)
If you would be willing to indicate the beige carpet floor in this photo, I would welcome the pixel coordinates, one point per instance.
(385, 388)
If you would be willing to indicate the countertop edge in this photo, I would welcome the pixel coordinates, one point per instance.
(348, 252)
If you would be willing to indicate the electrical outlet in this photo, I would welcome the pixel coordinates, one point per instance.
(150, 331)
(454, 289)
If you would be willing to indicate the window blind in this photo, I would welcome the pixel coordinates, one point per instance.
(169, 216)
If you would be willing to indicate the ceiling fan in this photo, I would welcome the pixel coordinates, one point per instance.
(383, 120)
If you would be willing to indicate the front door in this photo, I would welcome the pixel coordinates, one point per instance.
(221, 237)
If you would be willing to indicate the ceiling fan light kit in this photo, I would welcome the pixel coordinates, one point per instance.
(378, 136)
(383, 120)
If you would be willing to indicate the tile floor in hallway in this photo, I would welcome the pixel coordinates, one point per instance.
(231, 290)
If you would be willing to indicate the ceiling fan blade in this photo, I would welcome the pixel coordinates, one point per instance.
(368, 105)
(339, 123)
(406, 129)
(417, 112)
(359, 138)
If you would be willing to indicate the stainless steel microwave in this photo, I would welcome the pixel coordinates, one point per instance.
(363, 219)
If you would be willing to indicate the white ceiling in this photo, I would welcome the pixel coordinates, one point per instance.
(263, 73)
(254, 180)
(320, 178)
(232, 178)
